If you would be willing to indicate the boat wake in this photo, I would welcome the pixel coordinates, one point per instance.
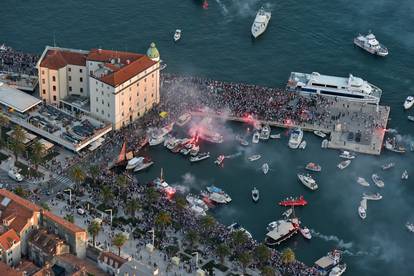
(340, 243)
(223, 7)
(231, 156)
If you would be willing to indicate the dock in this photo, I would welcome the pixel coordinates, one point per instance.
(353, 126)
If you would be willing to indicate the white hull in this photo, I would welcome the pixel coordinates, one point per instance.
(260, 23)
(143, 166)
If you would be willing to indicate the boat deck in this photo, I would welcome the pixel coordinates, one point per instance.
(354, 126)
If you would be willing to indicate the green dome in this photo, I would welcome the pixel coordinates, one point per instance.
(153, 53)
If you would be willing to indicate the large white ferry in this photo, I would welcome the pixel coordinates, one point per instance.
(260, 22)
(351, 88)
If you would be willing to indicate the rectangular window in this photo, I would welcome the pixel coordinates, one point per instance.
(54, 88)
(70, 78)
(81, 79)
(43, 72)
(70, 88)
(97, 110)
(43, 81)
(80, 70)
(96, 98)
(69, 69)
(44, 91)
(90, 72)
(53, 78)
(81, 90)
(54, 98)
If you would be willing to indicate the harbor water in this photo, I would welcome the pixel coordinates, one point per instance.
(301, 36)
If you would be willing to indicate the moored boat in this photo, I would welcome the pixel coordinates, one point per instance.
(338, 270)
(313, 167)
(302, 145)
(409, 102)
(347, 155)
(391, 144)
(143, 165)
(255, 138)
(388, 166)
(308, 181)
(134, 162)
(237, 227)
(213, 190)
(362, 209)
(344, 164)
(194, 200)
(325, 143)
(296, 136)
(319, 133)
(326, 263)
(376, 196)
(275, 136)
(362, 181)
(283, 230)
(200, 157)
(265, 133)
(377, 180)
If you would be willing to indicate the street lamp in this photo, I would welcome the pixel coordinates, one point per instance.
(110, 211)
(70, 195)
(196, 255)
(150, 247)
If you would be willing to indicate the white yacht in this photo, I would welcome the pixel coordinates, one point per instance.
(351, 88)
(177, 35)
(376, 196)
(143, 165)
(260, 22)
(200, 157)
(134, 162)
(306, 233)
(338, 270)
(157, 136)
(404, 175)
(254, 157)
(302, 145)
(308, 181)
(362, 209)
(344, 164)
(194, 200)
(319, 133)
(256, 137)
(296, 136)
(347, 155)
(265, 132)
(377, 180)
(362, 181)
(370, 44)
(409, 102)
(388, 166)
(255, 194)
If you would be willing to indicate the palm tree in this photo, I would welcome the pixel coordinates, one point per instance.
(45, 206)
(268, 271)
(94, 228)
(163, 219)
(192, 237)
(208, 222)
(180, 202)
(222, 251)
(77, 175)
(245, 259)
(152, 195)
(239, 238)
(288, 256)
(262, 254)
(17, 140)
(4, 121)
(20, 191)
(132, 206)
(121, 183)
(119, 240)
(94, 172)
(37, 153)
(106, 194)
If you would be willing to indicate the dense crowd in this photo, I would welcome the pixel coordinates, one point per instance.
(13, 61)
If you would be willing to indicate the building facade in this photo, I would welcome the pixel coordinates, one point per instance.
(120, 86)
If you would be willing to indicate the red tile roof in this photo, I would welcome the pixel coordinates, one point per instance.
(128, 71)
(66, 224)
(107, 55)
(56, 59)
(6, 270)
(21, 201)
(8, 239)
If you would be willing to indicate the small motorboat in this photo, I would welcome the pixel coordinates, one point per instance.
(134, 162)
(177, 35)
(362, 209)
(338, 270)
(265, 132)
(275, 136)
(344, 164)
(194, 150)
(200, 157)
(265, 168)
(362, 181)
(377, 180)
(254, 157)
(320, 133)
(410, 118)
(409, 102)
(347, 155)
(325, 144)
(287, 213)
(302, 145)
(256, 137)
(313, 167)
(308, 181)
(376, 196)
(388, 166)
(220, 159)
(255, 194)
(404, 175)
(306, 233)
(410, 226)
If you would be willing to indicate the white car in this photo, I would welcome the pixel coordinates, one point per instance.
(81, 211)
(15, 175)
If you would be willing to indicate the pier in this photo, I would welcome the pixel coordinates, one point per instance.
(353, 126)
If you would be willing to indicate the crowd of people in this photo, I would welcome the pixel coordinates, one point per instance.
(12, 61)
